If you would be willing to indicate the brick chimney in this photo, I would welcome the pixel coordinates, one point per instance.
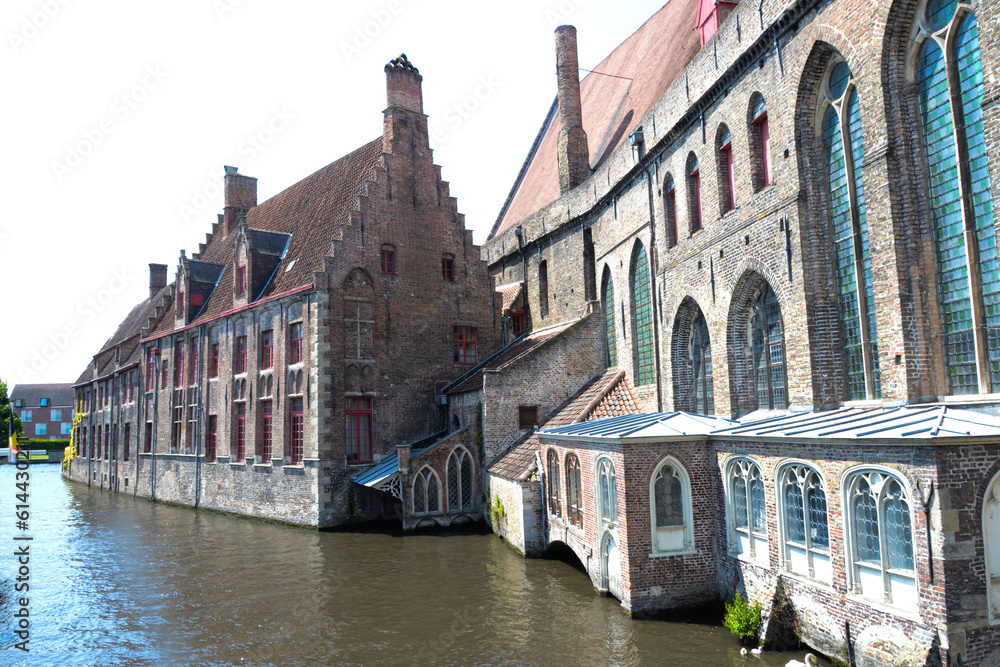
(157, 278)
(573, 152)
(403, 93)
(241, 196)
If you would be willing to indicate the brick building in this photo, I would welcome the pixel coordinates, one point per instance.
(783, 218)
(307, 337)
(46, 410)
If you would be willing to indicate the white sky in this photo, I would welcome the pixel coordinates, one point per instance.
(121, 113)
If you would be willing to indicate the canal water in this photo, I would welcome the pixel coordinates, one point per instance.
(122, 581)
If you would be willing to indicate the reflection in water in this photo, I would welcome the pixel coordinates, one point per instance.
(119, 581)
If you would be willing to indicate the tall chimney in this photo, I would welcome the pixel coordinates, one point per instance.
(574, 154)
(241, 196)
(403, 94)
(157, 278)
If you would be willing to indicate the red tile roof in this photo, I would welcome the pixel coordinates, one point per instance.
(613, 393)
(509, 294)
(653, 57)
(313, 211)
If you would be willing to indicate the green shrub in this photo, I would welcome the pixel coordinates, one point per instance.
(742, 619)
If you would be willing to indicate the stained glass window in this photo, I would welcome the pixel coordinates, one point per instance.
(642, 315)
(608, 299)
(701, 366)
(768, 349)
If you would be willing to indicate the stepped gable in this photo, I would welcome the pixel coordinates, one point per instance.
(653, 57)
(611, 391)
(313, 212)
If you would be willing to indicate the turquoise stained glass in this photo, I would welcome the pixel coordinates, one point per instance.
(847, 208)
(609, 319)
(642, 316)
(701, 362)
(939, 12)
(949, 221)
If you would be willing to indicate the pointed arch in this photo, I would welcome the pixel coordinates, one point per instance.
(426, 492)
(759, 134)
(461, 481)
(725, 168)
(691, 360)
(642, 317)
(608, 301)
(671, 511)
(991, 546)
(670, 209)
(756, 347)
(692, 173)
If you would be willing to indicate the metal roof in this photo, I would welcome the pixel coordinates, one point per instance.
(382, 472)
(927, 422)
(644, 426)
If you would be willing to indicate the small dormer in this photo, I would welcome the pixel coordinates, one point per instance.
(241, 265)
(267, 249)
(711, 14)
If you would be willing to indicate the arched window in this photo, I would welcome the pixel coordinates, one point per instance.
(845, 152)
(726, 169)
(880, 531)
(426, 492)
(574, 500)
(991, 546)
(747, 509)
(642, 318)
(760, 142)
(607, 493)
(670, 210)
(543, 288)
(608, 298)
(552, 479)
(805, 534)
(589, 266)
(948, 68)
(461, 481)
(692, 361)
(694, 194)
(670, 501)
(768, 349)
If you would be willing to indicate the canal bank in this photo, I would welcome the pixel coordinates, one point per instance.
(120, 581)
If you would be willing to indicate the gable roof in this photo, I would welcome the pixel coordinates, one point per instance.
(59, 394)
(640, 71)
(302, 222)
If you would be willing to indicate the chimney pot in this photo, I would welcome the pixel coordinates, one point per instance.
(402, 85)
(241, 196)
(157, 278)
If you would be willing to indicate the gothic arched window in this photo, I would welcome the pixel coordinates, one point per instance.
(949, 69)
(426, 492)
(805, 546)
(670, 495)
(844, 152)
(642, 318)
(747, 509)
(608, 299)
(767, 341)
(552, 482)
(574, 500)
(461, 481)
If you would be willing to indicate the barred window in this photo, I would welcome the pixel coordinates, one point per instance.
(574, 501)
(552, 481)
(426, 492)
(768, 349)
(461, 481)
(747, 509)
(607, 493)
(670, 497)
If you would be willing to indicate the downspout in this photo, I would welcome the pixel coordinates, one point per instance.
(140, 408)
(116, 421)
(545, 509)
(652, 283)
(90, 433)
(156, 422)
(197, 419)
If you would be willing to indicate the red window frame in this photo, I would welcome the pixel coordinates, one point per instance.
(448, 268)
(179, 364)
(764, 134)
(727, 148)
(195, 361)
(266, 414)
(213, 364)
(240, 432)
(295, 347)
(267, 349)
(466, 345)
(388, 261)
(213, 437)
(163, 373)
(241, 281)
(517, 322)
(295, 431)
(359, 430)
(241, 355)
(148, 446)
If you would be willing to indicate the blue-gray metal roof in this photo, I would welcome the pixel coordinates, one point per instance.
(644, 426)
(918, 422)
(389, 465)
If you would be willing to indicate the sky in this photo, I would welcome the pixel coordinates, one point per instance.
(120, 115)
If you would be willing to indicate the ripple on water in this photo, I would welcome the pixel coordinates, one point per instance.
(123, 581)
